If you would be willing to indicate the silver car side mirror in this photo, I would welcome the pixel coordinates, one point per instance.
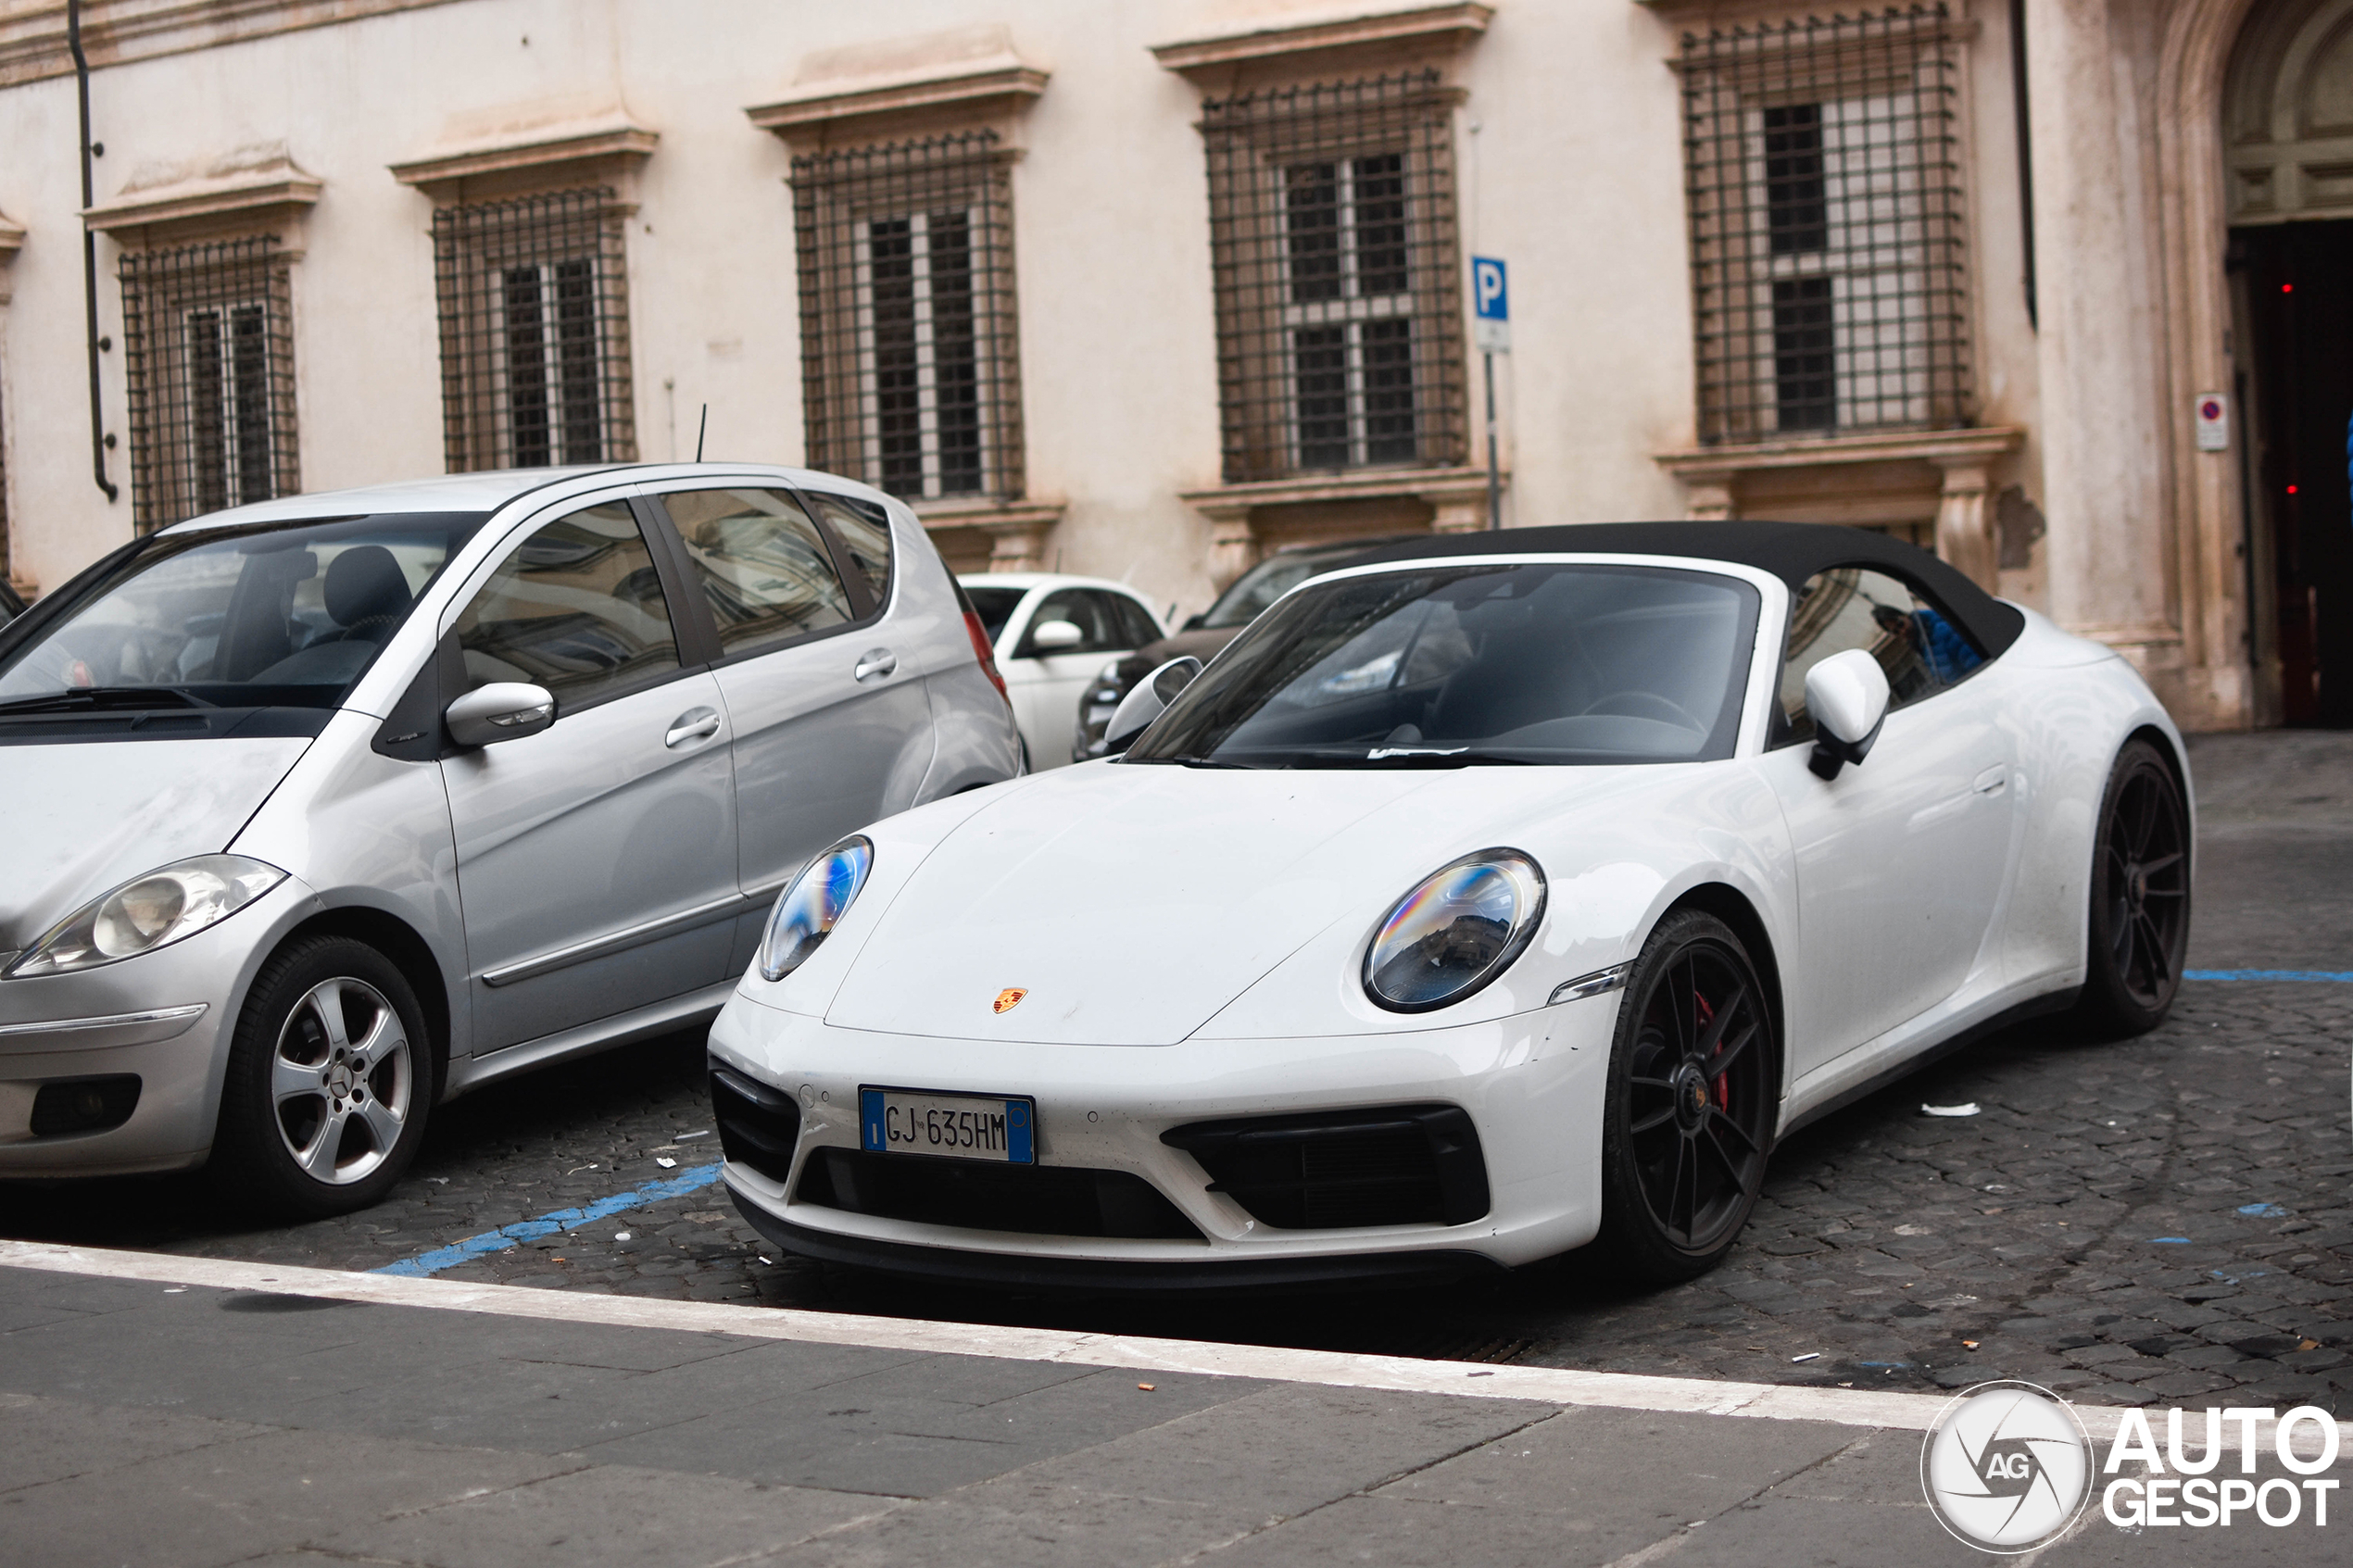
(1147, 701)
(1847, 693)
(501, 711)
(1053, 636)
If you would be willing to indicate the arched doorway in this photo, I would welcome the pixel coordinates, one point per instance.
(2287, 135)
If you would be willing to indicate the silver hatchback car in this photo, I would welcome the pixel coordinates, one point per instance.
(325, 809)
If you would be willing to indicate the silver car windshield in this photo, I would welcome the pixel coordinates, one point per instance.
(283, 615)
(1458, 666)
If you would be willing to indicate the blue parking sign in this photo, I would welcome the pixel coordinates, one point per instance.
(1490, 305)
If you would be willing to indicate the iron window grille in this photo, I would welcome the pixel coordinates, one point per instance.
(910, 342)
(1823, 171)
(534, 298)
(207, 346)
(1333, 251)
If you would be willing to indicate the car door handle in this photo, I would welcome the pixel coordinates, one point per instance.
(877, 661)
(695, 724)
(1993, 781)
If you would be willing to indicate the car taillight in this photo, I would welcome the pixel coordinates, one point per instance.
(987, 655)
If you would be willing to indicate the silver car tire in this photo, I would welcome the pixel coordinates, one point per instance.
(331, 1077)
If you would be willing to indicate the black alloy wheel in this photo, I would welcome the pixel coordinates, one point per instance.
(2139, 929)
(1694, 1098)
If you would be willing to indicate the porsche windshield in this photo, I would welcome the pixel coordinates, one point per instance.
(283, 615)
(1458, 666)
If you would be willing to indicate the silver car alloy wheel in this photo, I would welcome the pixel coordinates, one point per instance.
(340, 1081)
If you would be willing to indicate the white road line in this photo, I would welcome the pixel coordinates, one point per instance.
(1556, 1385)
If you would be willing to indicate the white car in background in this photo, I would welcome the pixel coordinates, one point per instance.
(1053, 634)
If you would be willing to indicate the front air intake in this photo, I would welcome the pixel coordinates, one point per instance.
(1341, 1170)
(970, 1195)
(758, 1127)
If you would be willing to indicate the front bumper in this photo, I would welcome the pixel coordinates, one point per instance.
(165, 1018)
(1532, 1084)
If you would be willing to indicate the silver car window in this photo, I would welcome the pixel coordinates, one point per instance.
(576, 607)
(761, 564)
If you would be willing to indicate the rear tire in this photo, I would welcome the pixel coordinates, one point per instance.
(331, 1077)
(1693, 1099)
(2139, 925)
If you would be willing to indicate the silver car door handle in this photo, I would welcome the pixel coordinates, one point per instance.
(1993, 781)
(877, 661)
(695, 724)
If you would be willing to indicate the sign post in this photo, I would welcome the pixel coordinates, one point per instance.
(1491, 314)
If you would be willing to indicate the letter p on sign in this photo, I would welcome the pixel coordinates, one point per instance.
(1490, 305)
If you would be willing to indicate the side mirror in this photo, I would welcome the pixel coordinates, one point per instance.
(501, 711)
(1147, 701)
(1055, 635)
(1848, 695)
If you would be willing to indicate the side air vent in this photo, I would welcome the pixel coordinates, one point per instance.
(1337, 1170)
(1026, 1199)
(758, 1127)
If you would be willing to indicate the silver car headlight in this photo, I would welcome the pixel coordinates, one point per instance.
(807, 909)
(154, 911)
(1459, 930)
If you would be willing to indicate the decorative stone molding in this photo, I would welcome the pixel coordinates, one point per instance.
(478, 160)
(252, 189)
(1370, 39)
(965, 78)
(114, 33)
(1016, 529)
(1962, 459)
(11, 242)
(1242, 517)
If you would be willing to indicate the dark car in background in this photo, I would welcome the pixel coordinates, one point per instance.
(1206, 634)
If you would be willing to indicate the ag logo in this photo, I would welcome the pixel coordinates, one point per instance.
(2006, 1467)
(1008, 999)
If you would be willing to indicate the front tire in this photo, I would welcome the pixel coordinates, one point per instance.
(1693, 1101)
(331, 1076)
(2138, 930)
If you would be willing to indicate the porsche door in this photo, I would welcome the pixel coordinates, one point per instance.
(1901, 861)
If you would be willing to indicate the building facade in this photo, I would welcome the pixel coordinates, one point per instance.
(2058, 288)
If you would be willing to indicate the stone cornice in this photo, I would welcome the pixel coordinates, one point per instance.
(11, 238)
(992, 514)
(1360, 485)
(1424, 32)
(115, 33)
(539, 149)
(1715, 464)
(981, 95)
(963, 77)
(270, 191)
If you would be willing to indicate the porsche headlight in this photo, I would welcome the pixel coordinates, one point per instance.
(807, 909)
(154, 911)
(1459, 929)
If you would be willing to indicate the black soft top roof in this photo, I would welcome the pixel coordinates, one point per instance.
(1791, 551)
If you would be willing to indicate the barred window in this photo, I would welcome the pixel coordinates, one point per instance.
(1824, 174)
(535, 332)
(1331, 230)
(909, 352)
(208, 357)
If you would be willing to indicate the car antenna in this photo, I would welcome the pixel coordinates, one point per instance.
(702, 425)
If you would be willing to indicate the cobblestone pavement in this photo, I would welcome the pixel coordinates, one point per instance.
(2151, 1221)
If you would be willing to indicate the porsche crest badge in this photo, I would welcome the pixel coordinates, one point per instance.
(1008, 999)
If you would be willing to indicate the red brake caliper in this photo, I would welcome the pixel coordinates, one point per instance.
(1722, 1084)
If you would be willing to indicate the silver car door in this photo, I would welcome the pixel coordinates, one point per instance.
(1901, 861)
(597, 859)
(832, 725)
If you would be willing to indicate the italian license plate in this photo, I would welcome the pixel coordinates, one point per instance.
(952, 1127)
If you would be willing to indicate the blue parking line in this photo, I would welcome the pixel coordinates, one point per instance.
(2323, 976)
(506, 1237)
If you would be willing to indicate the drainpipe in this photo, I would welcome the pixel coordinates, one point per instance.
(89, 255)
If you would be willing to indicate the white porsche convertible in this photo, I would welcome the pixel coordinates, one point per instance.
(1493, 898)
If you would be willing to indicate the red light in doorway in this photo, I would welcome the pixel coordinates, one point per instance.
(2291, 489)
(2287, 288)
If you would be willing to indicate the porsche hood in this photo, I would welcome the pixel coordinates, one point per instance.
(1130, 904)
